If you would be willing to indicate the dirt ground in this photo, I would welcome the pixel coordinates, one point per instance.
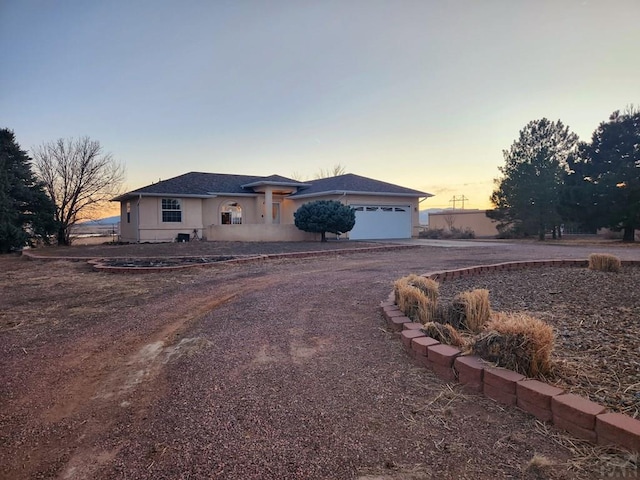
(275, 369)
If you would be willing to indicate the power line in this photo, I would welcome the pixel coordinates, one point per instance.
(458, 198)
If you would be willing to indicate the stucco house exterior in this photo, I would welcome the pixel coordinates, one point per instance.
(225, 207)
(475, 220)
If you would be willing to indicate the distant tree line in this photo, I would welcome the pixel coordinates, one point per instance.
(551, 178)
(42, 198)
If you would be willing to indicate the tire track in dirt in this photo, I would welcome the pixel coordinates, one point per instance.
(114, 374)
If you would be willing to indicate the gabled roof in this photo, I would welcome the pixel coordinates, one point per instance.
(355, 184)
(203, 185)
(276, 180)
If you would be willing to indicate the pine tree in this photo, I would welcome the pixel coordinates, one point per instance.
(528, 196)
(26, 212)
(607, 174)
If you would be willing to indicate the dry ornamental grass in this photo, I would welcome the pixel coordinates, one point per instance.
(594, 316)
(517, 341)
(604, 262)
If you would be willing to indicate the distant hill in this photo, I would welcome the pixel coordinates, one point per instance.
(424, 215)
(102, 222)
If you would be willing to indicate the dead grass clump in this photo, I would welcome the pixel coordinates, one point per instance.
(518, 342)
(444, 333)
(426, 285)
(470, 310)
(538, 467)
(604, 262)
(414, 304)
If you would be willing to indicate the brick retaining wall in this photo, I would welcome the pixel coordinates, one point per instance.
(577, 415)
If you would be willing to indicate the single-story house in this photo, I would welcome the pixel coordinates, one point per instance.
(213, 206)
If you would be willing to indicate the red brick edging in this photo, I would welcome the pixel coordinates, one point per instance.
(99, 263)
(577, 415)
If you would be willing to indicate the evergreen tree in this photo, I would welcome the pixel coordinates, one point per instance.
(606, 175)
(528, 196)
(26, 213)
(325, 216)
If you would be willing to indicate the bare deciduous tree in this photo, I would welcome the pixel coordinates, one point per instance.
(79, 177)
(450, 220)
(331, 172)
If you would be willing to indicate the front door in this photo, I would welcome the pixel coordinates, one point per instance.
(276, 213)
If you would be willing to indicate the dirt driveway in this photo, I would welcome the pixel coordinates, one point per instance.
(279, 369)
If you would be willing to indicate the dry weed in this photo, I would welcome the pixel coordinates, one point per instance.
(470, 310)
(445, 334)
(610, 461)
(539, 466)
(604, 262)
(426, 285)
(518, 342)
(414, 303)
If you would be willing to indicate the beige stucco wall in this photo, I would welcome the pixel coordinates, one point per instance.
(475, 220)
(258, 233)
(204, 216)
(150, 225)
(128, 229)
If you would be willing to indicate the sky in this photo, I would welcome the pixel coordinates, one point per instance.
(425, 94)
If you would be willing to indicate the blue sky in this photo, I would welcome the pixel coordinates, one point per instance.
(424, 94)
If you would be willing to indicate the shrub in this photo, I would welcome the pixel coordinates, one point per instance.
(604, 262)
(452, 233)
(470, 310)
(324, 216)
(518, 342)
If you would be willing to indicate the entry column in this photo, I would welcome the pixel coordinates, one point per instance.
(268, 205)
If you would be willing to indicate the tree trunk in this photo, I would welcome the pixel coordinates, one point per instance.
(323, 237)
(541, 233)
(629, 233)
(554, 234)
(63, 238)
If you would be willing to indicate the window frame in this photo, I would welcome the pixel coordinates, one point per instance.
(171, 210)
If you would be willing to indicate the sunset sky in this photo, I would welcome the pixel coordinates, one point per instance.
(424, 94)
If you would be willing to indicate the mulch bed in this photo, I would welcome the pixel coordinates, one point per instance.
(197, 249)
(163, 262)
(596, 318)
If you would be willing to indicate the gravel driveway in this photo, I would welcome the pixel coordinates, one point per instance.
(271, 370)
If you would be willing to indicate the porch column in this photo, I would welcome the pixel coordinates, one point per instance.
(268, 205)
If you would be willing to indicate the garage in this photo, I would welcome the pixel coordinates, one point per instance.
(381, 222)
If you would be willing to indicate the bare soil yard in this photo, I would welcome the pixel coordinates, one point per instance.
(278, 369)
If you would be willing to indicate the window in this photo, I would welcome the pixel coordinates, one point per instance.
(231, 214)
(171, 210)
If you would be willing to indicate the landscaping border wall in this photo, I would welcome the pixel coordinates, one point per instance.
(577, 415)
(100, 263)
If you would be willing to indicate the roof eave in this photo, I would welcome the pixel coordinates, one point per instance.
(355, 192)
(275, 184)
(130, 195)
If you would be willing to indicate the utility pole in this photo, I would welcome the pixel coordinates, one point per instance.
(459, 198)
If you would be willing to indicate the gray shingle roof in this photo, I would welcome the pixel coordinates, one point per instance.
(198, 184)
(352, 183)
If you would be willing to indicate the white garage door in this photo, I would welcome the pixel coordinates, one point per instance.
(381, 221)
